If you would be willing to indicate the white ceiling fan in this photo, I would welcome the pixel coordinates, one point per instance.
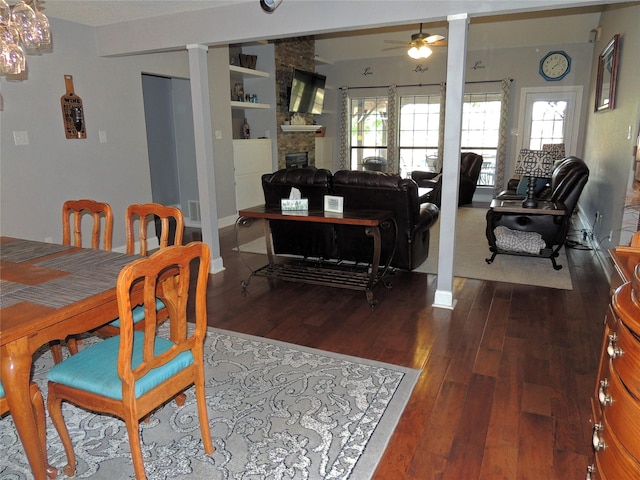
(419, 46)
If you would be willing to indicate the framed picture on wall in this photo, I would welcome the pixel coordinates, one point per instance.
(607, 73)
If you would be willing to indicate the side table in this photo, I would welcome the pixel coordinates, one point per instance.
(498, 208)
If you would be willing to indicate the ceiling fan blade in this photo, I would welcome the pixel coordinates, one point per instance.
(431, 39)
(394, 48)
(397, 42)
(439, 44)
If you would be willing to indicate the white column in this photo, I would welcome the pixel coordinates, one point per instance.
(456, 66)
(201, 105)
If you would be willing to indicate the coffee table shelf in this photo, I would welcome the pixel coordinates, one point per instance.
(330, 273)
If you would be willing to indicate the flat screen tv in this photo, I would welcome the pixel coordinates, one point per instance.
(307, 92)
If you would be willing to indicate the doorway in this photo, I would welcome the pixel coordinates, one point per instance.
(550, 115)
(171, 144)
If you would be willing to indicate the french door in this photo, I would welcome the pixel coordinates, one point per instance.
(550, 115)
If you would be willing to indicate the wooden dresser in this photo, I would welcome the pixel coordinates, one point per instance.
(616, 400)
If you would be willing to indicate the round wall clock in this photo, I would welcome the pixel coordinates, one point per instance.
(555, 65)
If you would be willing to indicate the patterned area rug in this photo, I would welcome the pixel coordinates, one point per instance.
(276, 410)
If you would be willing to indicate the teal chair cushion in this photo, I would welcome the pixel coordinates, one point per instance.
(1, 390)
(95, 369)
(138, 313)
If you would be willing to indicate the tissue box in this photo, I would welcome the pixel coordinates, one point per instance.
(299, 204)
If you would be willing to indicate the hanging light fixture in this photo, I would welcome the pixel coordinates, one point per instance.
(419, 51)
(420, 44)
(23, 29)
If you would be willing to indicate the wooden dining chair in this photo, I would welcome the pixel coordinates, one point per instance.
(98, 210)
(132, 374)
(72, 235)
(141, 214)
(37, 404)
(138, 217)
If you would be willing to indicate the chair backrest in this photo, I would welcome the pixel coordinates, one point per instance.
(98, 210)
(365, 190)
(166, 216)
(312, 182)
(568, 179)
(166, 275)
(471, 165)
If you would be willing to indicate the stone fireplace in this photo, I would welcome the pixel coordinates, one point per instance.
(296, 160)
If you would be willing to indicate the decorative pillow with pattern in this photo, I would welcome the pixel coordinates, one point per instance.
(517, 241)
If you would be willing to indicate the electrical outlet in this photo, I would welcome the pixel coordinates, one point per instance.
(611, 235)
(600, 219)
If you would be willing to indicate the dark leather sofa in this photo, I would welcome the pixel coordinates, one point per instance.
(296, 238)
(360, 190)
(470, 168)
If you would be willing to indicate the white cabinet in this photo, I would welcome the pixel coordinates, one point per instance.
(251, 159)
(324, 153)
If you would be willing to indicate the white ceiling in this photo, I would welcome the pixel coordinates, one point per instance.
(485, 32)
(104, 12)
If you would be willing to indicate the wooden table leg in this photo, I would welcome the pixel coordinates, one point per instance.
(16, 376)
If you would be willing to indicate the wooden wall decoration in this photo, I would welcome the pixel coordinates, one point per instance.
(72, 112)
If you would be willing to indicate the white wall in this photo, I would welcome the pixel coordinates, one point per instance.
(608, 150)
(37, 178)
(520, 63)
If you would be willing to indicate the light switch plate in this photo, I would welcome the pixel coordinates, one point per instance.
(21, 137)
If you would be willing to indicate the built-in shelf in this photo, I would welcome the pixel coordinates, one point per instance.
(235, 104)
(249, 72)
(300, 128)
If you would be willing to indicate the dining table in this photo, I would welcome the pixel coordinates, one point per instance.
(48, 292)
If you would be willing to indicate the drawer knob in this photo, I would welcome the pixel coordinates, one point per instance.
(598, 443)
(612, 350)
(604, 398)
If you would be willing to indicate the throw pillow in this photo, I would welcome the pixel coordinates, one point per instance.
(517, 241)
(523, 184)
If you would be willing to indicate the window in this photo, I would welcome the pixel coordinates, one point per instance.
(480, 131)
(419, 132)
(369, 128)
(547, 115)
(547, 123)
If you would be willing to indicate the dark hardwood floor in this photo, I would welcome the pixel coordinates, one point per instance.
(506, 376)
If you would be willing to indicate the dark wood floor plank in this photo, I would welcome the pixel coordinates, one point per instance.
(467, 451)
(506, 376)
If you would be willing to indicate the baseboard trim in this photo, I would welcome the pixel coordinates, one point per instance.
(601, 252)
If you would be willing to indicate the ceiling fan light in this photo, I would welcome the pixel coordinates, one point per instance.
(425, 51)
(419, 52)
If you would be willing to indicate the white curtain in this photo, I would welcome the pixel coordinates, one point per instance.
(392, 133)
(344, 156)
(501, 152)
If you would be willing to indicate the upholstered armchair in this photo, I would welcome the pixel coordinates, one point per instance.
(470, 168)
(567, 182)
(517, 187)
(385, 191)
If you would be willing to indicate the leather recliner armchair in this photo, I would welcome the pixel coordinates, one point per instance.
(470, 168)
(314, 240)
(567, 182)
(384, 191)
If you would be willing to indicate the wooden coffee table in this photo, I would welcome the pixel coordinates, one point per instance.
(328, 273)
